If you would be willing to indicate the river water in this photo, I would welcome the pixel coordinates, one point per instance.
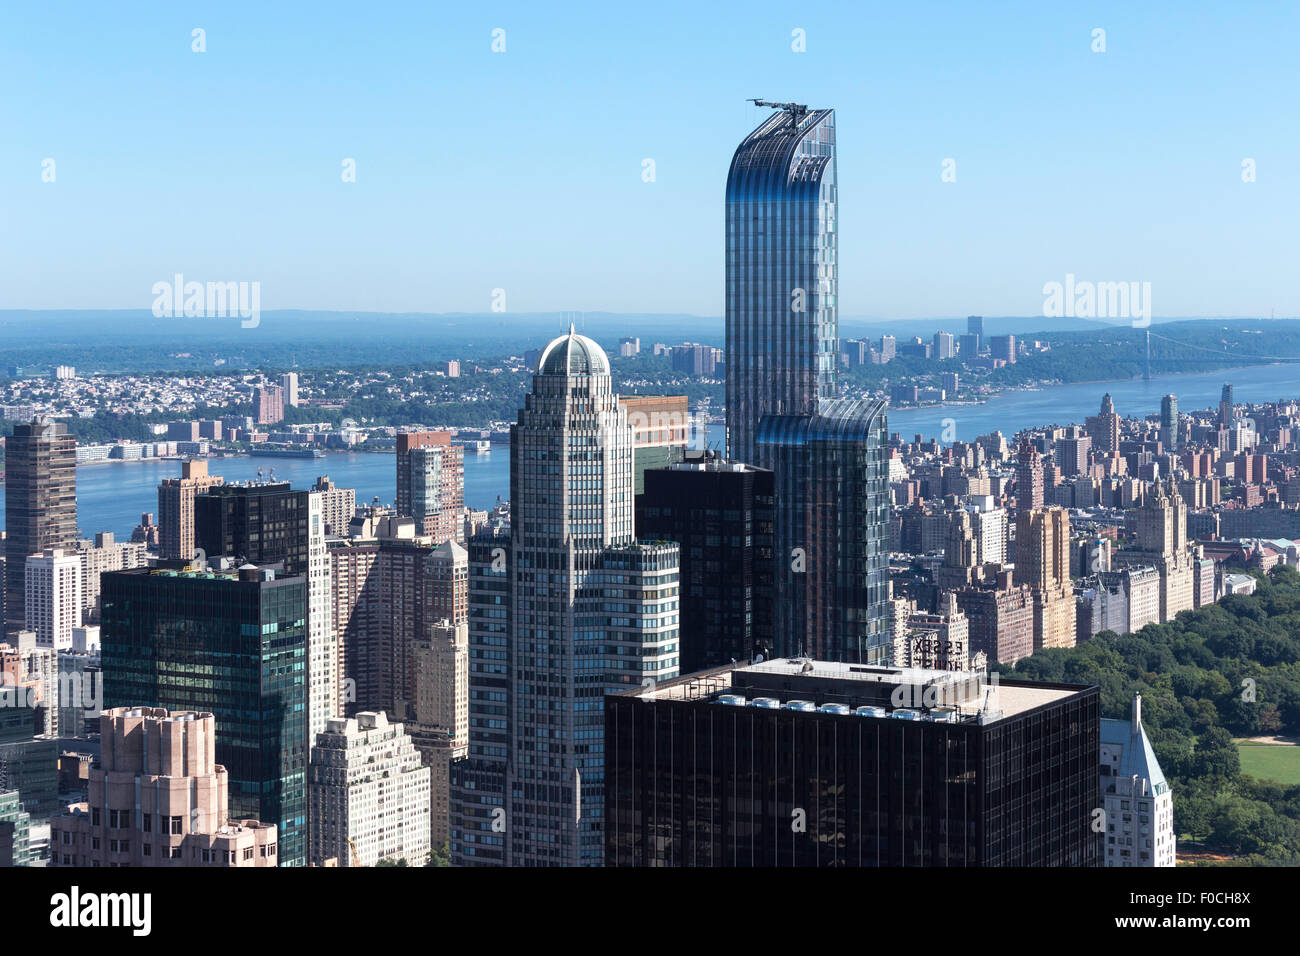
(112, 495)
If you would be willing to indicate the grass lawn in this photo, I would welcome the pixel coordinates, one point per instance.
(1277, 762)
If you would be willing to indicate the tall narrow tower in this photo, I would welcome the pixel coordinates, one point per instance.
(1169, 423)
(782, 281)
(591, 610)
(829, 455)
(40, 504)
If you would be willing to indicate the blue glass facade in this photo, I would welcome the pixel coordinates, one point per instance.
(832, 568)
(782, 274)
(828, 454)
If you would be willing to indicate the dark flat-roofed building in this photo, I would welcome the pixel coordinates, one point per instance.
(721, 515)
(794, 762)
(261, 522)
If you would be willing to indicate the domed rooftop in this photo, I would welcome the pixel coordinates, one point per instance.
(573, 354)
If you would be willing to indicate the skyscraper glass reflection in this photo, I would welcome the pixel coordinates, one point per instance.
(782, 279)
(828, 454)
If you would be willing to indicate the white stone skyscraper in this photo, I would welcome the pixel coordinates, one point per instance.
(53, 597)
(1135, 796)
(582, 592)
(324, 670)
(369, 793)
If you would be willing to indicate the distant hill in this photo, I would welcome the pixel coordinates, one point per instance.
(137, 341)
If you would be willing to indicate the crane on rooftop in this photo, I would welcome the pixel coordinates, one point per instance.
(796, 110)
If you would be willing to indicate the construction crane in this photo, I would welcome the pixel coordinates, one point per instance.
(356, 859)
(797, 111)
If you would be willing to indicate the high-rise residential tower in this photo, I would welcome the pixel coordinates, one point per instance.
(369, 794)
(1169, 423)
(337, 505)
(1104, 427)
(176, 509)
(325, 663)
(53, 601)
(782, 273)
(431, 484)
(1029, 477)
(289, 384)
(1135, 795)
(828, 455)
(1227, 413)
(40, 504)
(268, 404)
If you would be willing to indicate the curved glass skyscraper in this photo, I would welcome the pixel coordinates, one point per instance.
(782, 276)
(829, 455)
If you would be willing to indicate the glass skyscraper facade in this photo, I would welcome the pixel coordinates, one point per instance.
(782, 273)
(828, 454)
(788, 763)
(235, 646)
(832, 490)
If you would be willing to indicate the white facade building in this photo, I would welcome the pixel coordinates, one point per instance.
(368, 794)
(53, 592)
(325, 695)
(1138, 805)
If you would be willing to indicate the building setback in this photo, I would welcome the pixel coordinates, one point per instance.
(369, 794)
(157, 797)
(809, 763)
(591, 610)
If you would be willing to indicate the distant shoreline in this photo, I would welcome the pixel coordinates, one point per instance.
(210, 458)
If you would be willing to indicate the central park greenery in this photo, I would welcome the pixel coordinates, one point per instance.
(1225, 671)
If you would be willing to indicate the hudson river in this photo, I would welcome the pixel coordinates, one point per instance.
(112, 495)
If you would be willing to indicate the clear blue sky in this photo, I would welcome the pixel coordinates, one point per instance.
(522, 170)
